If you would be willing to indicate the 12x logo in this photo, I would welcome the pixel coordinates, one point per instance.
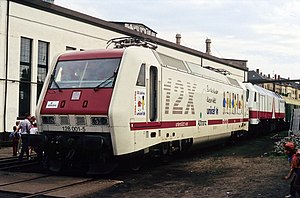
(177, 106)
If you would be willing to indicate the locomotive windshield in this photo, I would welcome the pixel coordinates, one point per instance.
(85, 73)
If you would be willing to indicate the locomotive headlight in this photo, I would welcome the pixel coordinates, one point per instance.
(99, 120)
(48, 120)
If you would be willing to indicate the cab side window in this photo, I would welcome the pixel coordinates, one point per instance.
(141, 78)
(247, 95)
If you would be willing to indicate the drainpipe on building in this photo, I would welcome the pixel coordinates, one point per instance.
(6, 67)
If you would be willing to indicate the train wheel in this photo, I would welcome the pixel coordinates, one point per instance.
(136, 166)
(55, 165)
(165, 148)
(165, 152)
(137, 162)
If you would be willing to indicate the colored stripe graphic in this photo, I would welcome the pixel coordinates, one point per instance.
(180, 124)
(161, 125)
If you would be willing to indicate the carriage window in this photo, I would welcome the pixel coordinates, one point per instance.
(141, 78)
(254, 96)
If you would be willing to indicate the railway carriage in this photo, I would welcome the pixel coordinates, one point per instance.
(102, 106)
(266, 109)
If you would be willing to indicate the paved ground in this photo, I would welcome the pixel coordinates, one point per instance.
(36, 184)
(17, 183)
(246, 169)
(6, 152)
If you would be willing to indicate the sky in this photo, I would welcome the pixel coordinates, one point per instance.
(266, 33)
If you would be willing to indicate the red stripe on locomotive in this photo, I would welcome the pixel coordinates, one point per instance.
(90, 101)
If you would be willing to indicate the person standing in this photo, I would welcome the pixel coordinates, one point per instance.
(33, 131)
(15, 136)
(293, 158)
(25, 127)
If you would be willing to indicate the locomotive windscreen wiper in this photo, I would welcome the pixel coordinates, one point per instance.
(55, 83)
(103, 83)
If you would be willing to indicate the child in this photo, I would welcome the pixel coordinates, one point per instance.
(15, 136)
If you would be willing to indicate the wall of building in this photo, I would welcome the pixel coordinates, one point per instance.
(2, 59)
(38, 25)
(59, 32)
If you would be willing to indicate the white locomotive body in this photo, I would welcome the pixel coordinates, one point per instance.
(179, 102)
(144, 102)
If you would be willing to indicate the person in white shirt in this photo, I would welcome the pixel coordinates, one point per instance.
(24, 127)
(33, 131)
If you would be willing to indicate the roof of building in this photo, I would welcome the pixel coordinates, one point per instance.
(61, 11)
(253, 77)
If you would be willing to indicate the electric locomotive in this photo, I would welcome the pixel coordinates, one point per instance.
(99, 107)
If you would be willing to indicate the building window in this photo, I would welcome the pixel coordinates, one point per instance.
(42, 67)
(25, 76)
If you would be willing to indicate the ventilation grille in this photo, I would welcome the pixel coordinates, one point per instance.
(64, 120)
(80, 120)
(173, 62)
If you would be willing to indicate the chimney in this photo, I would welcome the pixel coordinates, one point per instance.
(278, 77)
(178, 39)
(257, 71)
(275, 76)
(269, 76)
(208, 42)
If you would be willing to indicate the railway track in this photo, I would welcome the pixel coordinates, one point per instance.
(13, 163)
(25, 179)
(38, 185)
